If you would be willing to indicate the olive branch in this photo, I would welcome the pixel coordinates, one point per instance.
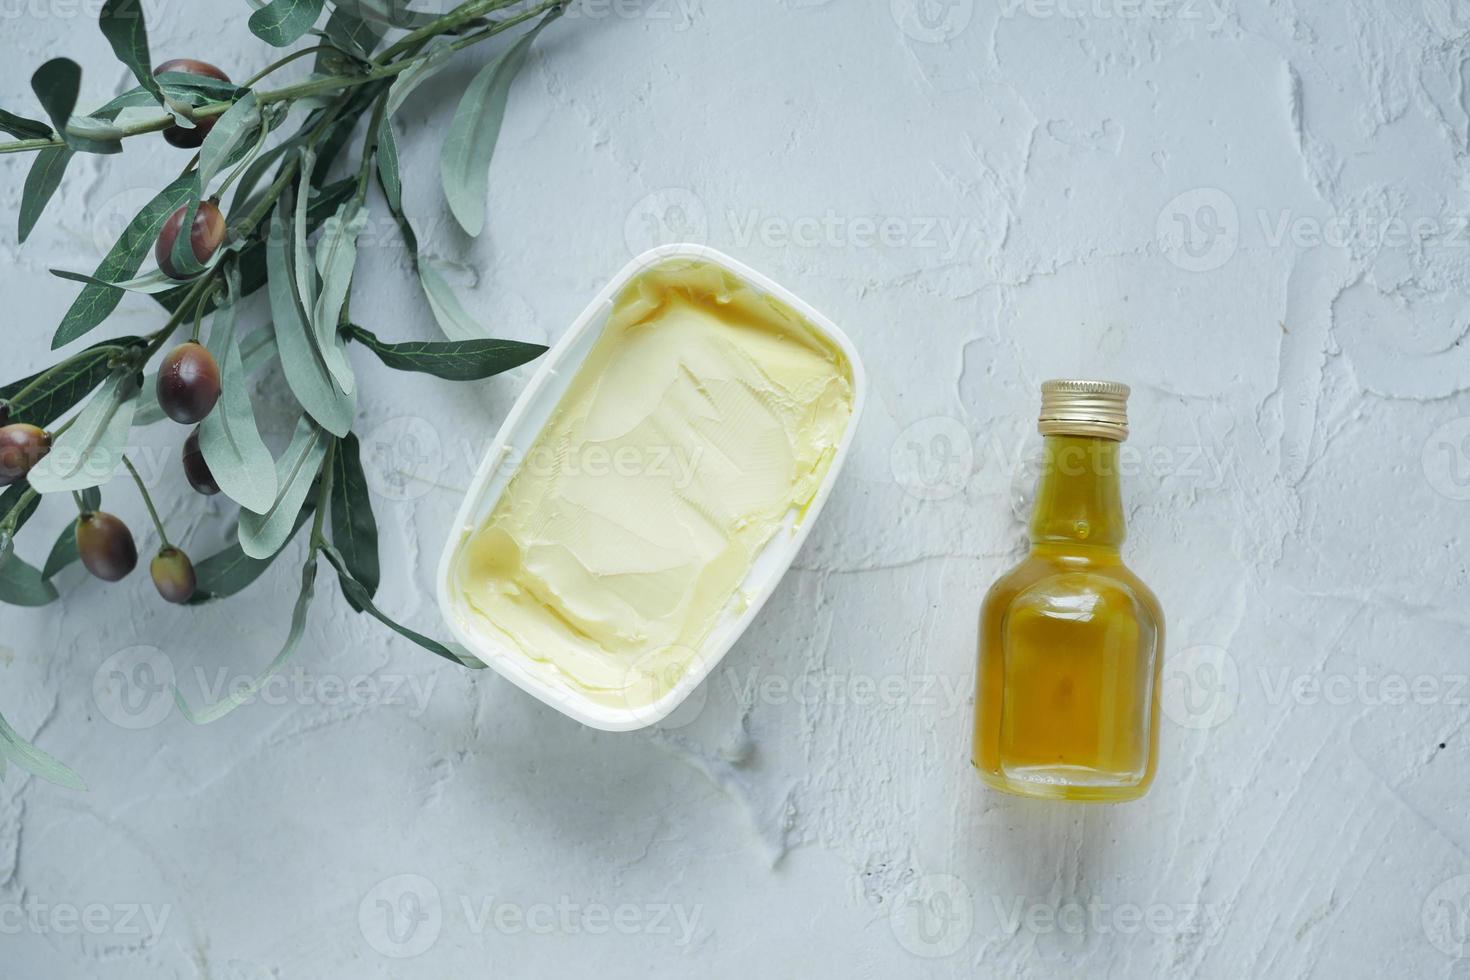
(288, 229)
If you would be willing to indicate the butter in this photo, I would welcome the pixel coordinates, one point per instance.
(700, 425)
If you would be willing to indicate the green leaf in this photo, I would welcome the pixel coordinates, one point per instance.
(451, 315)
(41, 183)
(32, 759)
(122, 24)
(387, 13)
(336, 258)
(261, 535)
(21, 584)
(182, 256)
(148, 282)
(229, 436)
(22, 128)
(230, 570)
(233, 135)
(348, 32)
(63, 552)
(88, 453)
(422, 69)
(354, 530)
(358, 595)
(464, 162)
(122, 261)
(56, 84)
(293, 639)
(281, 22)
(388, 165)
(455, 360)
(306, 369)
(65, 384)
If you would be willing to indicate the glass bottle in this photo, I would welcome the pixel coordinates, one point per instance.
(1071, 641)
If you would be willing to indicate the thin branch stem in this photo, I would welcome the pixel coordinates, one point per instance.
(152, 512)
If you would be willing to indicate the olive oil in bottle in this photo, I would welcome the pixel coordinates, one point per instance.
(1071, 641)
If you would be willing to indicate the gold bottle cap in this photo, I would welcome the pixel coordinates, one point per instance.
(1084, 408)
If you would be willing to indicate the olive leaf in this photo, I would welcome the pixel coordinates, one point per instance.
(181, 254)
(122, 24)
(450, 314)
(232, 136)
(336, 257)
(354, 530)
(88, 453)
(420, 71)
(389, 13)
(387, 161)
(56, 84)
(22, 128)
(57, 389)
(221, 708)
(96, 301)
(348, 32)
(33, 760)
(229, 436)
(281, 22)
(464, 161)
(306, 370)
(41, 183)
(358, 595)
(261, 535)
(22, 584)
(230, 570)
(455, 360)
(63, 552)
(148, 282)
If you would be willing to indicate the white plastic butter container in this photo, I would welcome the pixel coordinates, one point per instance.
(514, 441)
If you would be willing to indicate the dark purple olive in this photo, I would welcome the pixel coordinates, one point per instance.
(106, 546)
(21, 447)
(195, 467)
(188, 383)
(4, 413)
(188, 139)
(173, 575)
(205, 236)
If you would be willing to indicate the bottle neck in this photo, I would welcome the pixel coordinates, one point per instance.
(1078, 497)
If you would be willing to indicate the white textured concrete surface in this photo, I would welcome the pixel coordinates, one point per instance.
(1254, 213)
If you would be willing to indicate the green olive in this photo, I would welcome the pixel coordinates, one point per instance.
(196, 469)
(106, 546)
(21, 447)
(206, 235)
(178, 135)
(173, 575)
(188, 383)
